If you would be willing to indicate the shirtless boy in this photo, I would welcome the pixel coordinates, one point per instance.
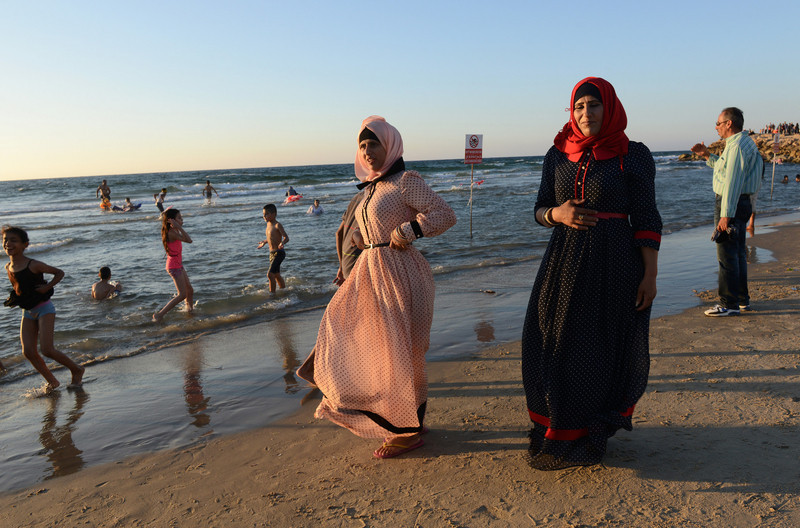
(207, 190)
(276, 238)
(159, 198)
(103, 189)
(102, 289)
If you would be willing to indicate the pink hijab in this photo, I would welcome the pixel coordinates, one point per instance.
(389, 138)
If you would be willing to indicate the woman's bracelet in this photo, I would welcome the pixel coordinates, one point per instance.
(548, 217)
(399, 232)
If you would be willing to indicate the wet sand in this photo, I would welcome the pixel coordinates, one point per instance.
(713, 445)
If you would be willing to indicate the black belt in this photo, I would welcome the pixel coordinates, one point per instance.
(371, 246)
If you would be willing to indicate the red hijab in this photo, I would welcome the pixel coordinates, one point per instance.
(610, 142)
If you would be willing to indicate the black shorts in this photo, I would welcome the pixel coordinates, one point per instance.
(275, 259)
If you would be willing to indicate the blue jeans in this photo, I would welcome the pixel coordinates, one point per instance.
(732, 257)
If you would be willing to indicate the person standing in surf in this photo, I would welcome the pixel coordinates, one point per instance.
(159, 198)
(172, 237)
(32, 294)
(207, 190)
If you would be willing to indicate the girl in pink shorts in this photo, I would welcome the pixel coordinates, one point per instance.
(173, 236)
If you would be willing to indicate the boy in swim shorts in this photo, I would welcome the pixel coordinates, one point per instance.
(276, 239)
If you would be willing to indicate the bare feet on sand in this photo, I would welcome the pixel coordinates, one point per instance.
(77, 376)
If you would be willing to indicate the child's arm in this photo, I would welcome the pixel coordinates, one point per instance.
(285, 236)
(41, 267)
(177, 233)
(265, 241)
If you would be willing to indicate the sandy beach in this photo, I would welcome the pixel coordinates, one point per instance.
(714, 444)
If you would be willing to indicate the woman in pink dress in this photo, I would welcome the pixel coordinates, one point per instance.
(369, 360)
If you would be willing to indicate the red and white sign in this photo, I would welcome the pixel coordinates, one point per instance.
(473, 152)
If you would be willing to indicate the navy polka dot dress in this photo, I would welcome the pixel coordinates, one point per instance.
(585, 357)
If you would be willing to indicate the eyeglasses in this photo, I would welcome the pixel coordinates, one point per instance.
(718, 123)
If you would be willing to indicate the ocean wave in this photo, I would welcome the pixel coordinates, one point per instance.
(44, 246)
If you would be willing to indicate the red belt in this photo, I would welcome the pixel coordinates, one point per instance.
(607, 216)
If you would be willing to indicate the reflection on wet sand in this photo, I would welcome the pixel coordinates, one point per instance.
(484, 331)
(290, 362)
(196, 402)
(752, 254)
(56, 440)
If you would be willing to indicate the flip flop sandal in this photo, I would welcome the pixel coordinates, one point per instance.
(401, 449)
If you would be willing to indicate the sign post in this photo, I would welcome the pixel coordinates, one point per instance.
(776, 148)
(473, 154)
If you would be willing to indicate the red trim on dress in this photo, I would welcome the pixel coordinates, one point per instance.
(557, 434)
(650, 235)
(568, 434)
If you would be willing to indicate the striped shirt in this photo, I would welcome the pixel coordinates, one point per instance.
(737, 171)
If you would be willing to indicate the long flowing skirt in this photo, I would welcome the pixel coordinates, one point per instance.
(585, 355)
(369, 359)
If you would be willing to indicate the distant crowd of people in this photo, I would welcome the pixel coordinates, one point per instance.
(784, 129)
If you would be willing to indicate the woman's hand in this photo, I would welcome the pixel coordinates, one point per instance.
(571, 214)
(646, 293)
(398, 242)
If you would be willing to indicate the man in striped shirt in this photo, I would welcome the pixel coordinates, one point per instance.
(737, 175)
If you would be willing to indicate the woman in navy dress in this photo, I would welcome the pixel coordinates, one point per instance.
(585, 357)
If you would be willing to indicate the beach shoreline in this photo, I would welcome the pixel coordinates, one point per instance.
(712, 445)
(212, 384)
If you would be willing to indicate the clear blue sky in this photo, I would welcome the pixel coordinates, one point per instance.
(91, 88)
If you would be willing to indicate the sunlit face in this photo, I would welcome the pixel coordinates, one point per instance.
(372, 153)
(13, 244)
(588, 114)
(723, 126)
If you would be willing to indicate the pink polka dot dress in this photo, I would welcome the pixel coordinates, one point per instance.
(369, 359)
